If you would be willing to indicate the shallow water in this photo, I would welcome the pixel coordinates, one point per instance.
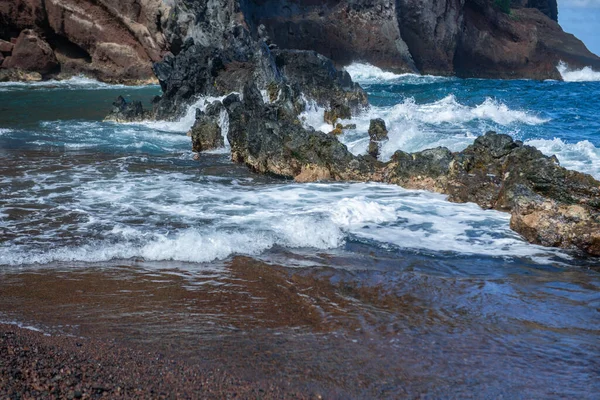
(362, 289)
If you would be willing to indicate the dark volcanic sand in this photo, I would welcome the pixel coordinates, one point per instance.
(33, 365)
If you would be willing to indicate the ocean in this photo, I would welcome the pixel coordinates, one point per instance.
(474, 305)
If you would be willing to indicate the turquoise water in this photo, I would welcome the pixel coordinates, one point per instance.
(76, 192)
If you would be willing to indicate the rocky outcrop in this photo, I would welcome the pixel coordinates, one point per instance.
(549, 205)
(214, 53)
(344, 31)
(18, 75)
(281, 146)
(125, 111)
(118, 40)
(548, 7)
(525, 44)
(378, 134)
(112, 40)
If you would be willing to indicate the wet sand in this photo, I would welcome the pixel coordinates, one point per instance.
(254, 330)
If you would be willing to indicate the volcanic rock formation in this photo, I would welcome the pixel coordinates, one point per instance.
(216, 52)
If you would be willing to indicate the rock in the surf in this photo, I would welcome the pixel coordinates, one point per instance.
(378, 134)
(206, 132)
(549, 204)
(268, 144)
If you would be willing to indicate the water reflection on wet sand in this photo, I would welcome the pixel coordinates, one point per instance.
(359, 332)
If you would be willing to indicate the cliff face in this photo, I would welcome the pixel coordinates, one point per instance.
(118, 40)
(341, 30)
(470, 38)
(525, 44)
(112, 40)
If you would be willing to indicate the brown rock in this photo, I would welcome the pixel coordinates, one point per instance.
(339, 129)
(17, 75)
(524, 44)
(112, 40)
(32, 53)
(6, 47)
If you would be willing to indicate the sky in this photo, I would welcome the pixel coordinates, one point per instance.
(581, 18)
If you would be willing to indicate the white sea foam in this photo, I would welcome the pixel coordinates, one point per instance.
(415, 127)
(370, 74)
(185, 123)
(80, 135)
(581, 156)
(201, 219)
(76, 82)
(586, 74)
(21, 325)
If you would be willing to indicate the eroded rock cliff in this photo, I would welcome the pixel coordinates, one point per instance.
(469, 38)
(118, 40)
(112, 40)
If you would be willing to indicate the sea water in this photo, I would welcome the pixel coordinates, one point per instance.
(75, 188)
(77, 193)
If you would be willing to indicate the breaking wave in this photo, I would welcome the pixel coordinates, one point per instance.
(586, 74)
(581, 156)
(370, 74)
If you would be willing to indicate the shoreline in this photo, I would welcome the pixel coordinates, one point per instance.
(254, 330)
